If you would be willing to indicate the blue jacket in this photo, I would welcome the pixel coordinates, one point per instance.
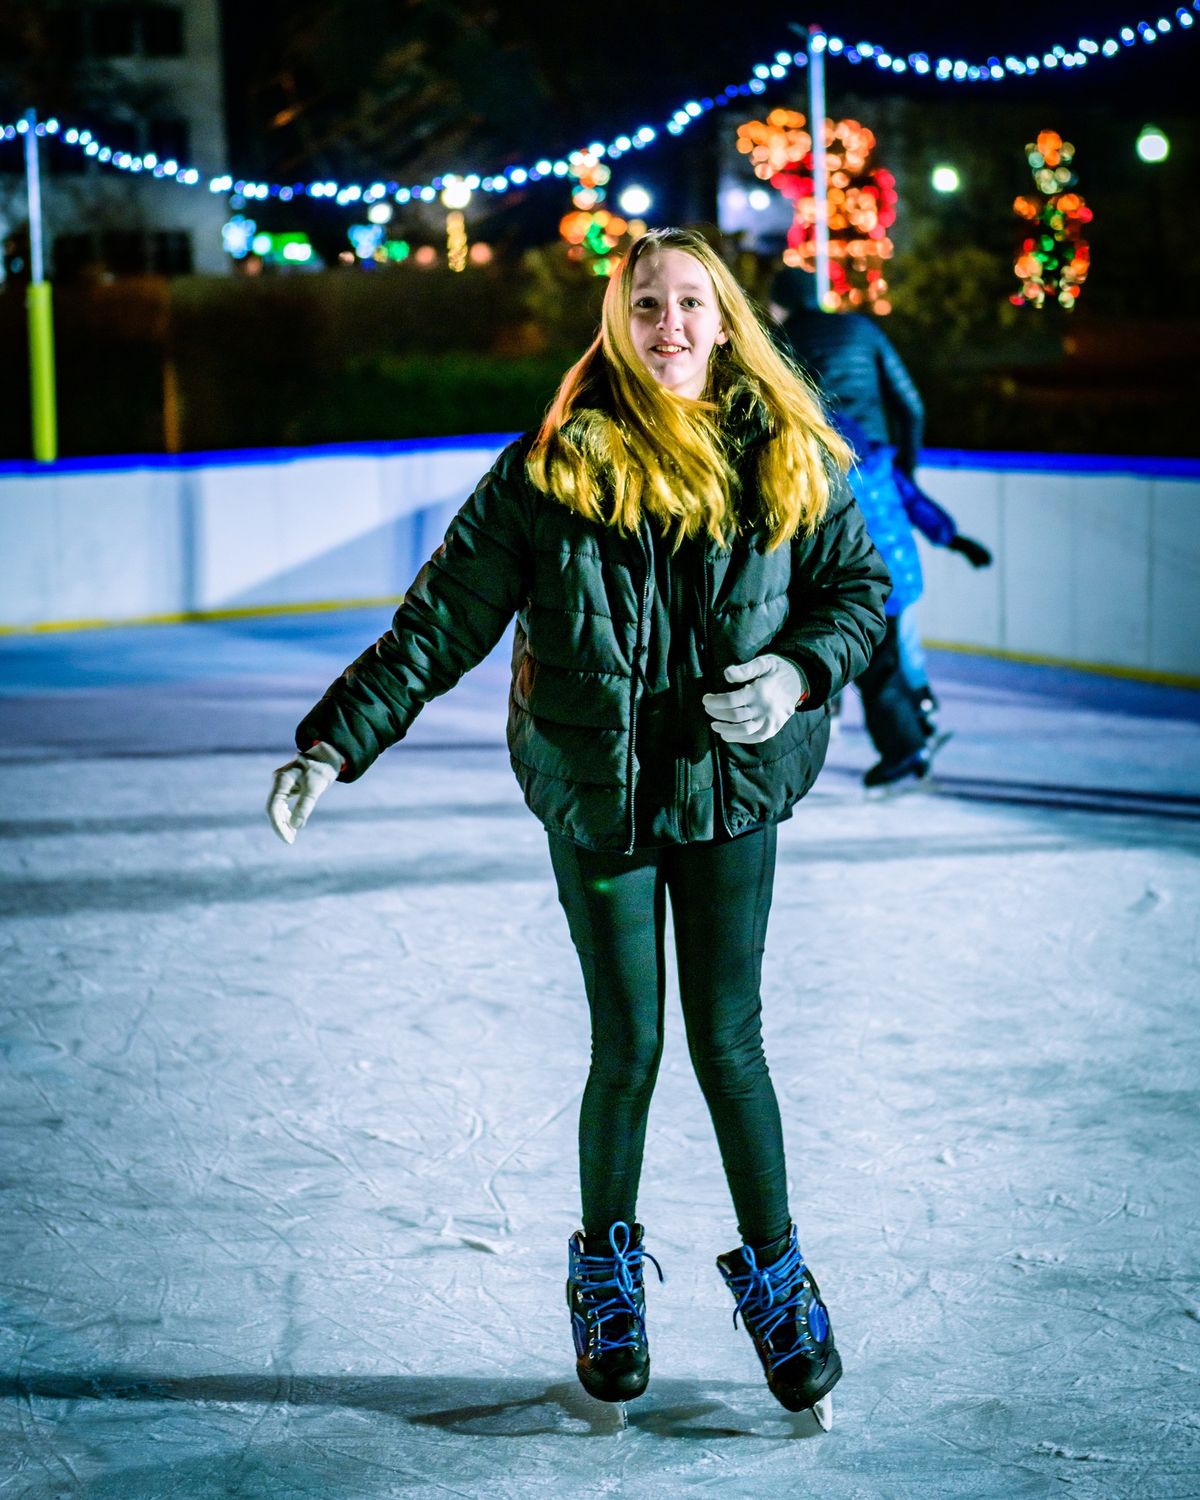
(873, 483)
(892, 504)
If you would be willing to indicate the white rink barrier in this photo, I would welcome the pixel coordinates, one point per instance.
(1097, 560)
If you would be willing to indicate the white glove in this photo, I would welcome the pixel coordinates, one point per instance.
(770, 693)
(304, 779)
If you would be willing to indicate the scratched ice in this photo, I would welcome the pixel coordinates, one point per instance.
(287, 1136)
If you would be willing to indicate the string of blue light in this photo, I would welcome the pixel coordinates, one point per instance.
(940, 69)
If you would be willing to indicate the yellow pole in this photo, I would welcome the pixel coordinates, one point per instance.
(39, 307)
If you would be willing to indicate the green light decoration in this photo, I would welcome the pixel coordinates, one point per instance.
(593, 234)
(1053, 263)
(243, 237)
(596, 240)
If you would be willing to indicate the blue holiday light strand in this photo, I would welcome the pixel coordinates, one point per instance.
(941, 69)
(957, 70)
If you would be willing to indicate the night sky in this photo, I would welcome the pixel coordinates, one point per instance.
(608, 68)
(698, 46)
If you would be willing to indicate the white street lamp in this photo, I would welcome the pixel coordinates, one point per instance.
(456, 193)
(1152, 144)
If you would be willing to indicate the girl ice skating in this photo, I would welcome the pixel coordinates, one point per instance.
(692, 582)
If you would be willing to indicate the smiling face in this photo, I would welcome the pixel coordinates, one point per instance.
(675, 320)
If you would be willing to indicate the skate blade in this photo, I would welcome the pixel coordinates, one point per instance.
(936, 741)
(823, 1412)
(907, 787)
(622, 1416)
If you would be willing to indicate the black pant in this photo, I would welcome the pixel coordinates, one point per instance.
(889, 704)
(616, 908)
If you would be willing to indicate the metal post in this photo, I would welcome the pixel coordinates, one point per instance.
(39, 311)
(816, 125)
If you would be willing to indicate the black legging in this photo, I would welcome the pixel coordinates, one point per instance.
(616, 907)
(889, 704)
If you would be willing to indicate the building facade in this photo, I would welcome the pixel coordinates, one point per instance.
(154, 78)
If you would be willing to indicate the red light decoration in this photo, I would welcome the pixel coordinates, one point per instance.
(1054, 260)
(862, 201)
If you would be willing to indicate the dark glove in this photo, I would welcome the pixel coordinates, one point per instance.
(974, 552)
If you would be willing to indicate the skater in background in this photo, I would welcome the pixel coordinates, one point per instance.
(877, 407)
(898, 705)
(692, 582)
(940, 529)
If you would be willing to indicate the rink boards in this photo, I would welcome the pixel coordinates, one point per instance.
(1097, 560)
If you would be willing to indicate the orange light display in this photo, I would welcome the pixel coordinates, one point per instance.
(1053, 260)
(862, 201)
(593, 233)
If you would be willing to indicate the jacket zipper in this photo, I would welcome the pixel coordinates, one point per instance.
(643, 605)
(683, 784)
(716, 749)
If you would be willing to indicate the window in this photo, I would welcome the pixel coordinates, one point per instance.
(61, 159)
(124, 251)
(168, 139)
(113, 31)
(121, 135)
(162, 30)
(137, 30)
(70, 35)
(171, 252)
(16, 255)
(72, 253)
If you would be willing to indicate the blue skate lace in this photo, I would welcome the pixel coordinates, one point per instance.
(770, 1295)
(618, 1273)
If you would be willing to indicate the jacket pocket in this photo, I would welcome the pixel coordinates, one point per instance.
(523, 680)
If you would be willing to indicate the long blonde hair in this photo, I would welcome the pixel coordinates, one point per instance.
(615, 442)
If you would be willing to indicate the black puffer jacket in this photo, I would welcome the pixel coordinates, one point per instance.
(857, 367)
(579, 591)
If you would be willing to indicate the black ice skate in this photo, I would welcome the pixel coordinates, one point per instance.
(927, 709)
(887, 777)
(608, 1313)
(782, 1311)
(890, 778)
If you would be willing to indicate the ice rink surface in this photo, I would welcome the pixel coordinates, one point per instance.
(287, 1135)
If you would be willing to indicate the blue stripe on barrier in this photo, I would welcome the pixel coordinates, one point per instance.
(224, 458)
(1060, 463)
(931, 458)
